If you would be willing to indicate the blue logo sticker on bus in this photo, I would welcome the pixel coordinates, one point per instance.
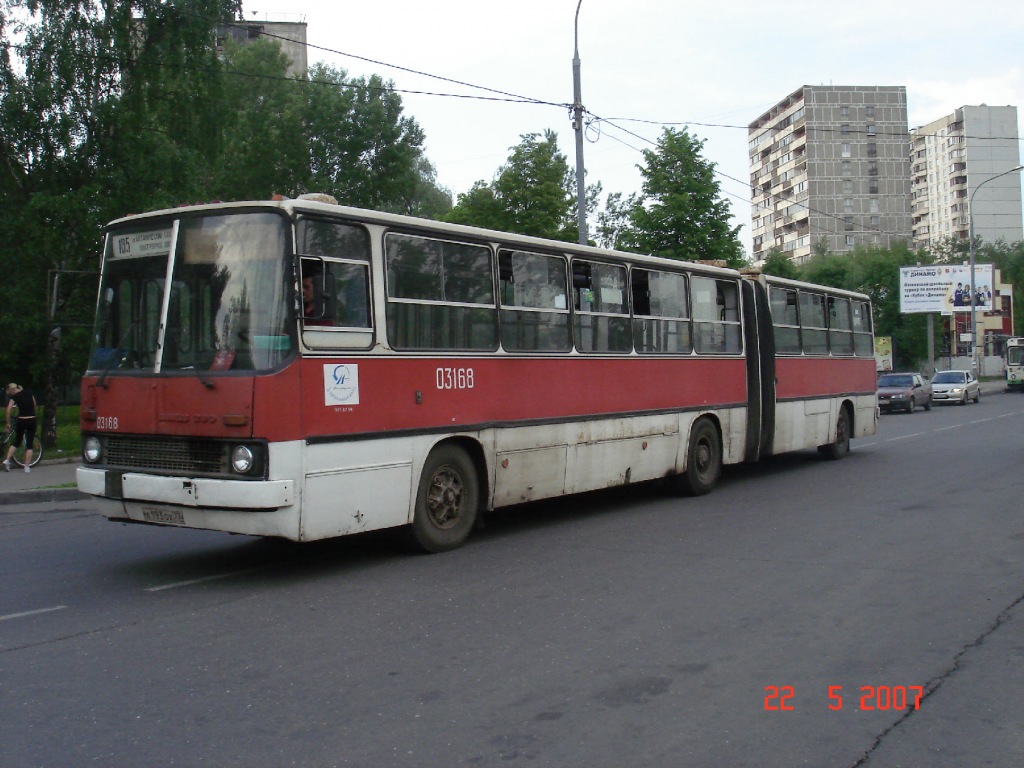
(341, 384)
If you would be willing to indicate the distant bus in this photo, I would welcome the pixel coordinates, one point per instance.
(432, 371)
(1014, 363)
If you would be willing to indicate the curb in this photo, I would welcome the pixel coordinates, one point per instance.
(41, 496)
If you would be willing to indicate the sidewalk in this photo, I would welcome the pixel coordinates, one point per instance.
(49, 480)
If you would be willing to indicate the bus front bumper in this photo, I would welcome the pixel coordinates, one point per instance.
(200, 492)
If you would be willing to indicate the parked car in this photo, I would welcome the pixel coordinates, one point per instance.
(904, 392)
(955, 387)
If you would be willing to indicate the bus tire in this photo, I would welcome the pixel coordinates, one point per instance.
(447, 501)
(841, 446)
(703, 459)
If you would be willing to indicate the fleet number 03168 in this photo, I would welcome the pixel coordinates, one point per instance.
(455, 378)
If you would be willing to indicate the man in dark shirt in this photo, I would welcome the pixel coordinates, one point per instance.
(26, 427)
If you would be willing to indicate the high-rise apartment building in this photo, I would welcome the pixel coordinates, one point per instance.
(829, 167)
(950, 158)
(290, 35)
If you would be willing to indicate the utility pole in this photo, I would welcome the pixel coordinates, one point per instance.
(577, 124)
(976, 363)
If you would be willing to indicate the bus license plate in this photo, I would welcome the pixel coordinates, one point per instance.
(164, 516)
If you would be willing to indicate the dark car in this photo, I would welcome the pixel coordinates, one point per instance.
(904, 392)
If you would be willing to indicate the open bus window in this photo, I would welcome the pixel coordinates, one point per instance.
(534, 305)
(440, 294)
(336, 304)
(660, 314)
(335, 273)
(716, 316)
(602, 307)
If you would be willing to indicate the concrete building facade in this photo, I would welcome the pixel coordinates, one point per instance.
(290, 35)
(829, 168)
(950, 158)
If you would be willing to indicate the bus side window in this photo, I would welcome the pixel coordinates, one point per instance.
(601, 322)
(813, 326)
(840, 333)
(660, 314)
(716, 327)
(336, 257)
(863, 343)
(534, 309)
(785, 321)
(440, 294)
(347, 292)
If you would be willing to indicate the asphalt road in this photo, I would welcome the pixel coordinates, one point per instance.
(627, 628)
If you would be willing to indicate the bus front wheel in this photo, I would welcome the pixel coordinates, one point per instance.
(703, 460)
(447, 500)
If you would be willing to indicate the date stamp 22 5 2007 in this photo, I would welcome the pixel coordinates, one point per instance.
(782, 698)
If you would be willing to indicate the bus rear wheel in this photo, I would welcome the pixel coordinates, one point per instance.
(447, 501)
(841, 446)
(703, 460)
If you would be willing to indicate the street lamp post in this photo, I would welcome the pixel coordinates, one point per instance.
(970, 218)
(577, 122)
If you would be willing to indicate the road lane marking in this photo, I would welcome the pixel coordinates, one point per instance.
(32, 613)
(201, 579)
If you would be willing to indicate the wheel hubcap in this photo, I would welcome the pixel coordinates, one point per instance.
(703, 456)
(445, 498)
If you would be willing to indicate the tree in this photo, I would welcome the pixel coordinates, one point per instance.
(533, 193)
(362, 149)
(427, 199)
(105, 107)
(108, 108)
(613, 221)
(680, 213)
(779, 264)
(875, 271)
(263, 136)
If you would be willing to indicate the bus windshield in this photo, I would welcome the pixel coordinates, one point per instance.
(225, 307)
(1014, 355)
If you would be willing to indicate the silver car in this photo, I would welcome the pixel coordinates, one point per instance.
(955, 387)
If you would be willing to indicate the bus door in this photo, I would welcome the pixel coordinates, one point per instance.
(760, 354)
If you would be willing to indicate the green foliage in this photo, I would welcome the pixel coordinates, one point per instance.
(262, 119)
(779, 264)
(876, 272)
(533, 193)
(104, 108)
(613, 222)
(680, 214)
(112, 108)
(361, 148)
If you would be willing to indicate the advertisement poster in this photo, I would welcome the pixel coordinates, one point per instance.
(945, 288)
(883, 353)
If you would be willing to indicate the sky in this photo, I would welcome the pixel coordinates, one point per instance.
(647, 64)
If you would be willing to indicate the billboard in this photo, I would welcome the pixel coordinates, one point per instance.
(883, 353)
(945, 288)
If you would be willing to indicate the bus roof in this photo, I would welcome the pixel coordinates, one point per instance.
(299, 205)
(318, 204)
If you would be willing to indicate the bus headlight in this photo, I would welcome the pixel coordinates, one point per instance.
(92, 449)
(242, 459)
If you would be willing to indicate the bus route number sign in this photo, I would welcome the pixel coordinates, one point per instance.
(455, 378)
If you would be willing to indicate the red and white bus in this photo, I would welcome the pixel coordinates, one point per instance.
(433, 371)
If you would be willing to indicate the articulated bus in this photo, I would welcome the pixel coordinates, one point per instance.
(1015, 363)
(300, 369)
